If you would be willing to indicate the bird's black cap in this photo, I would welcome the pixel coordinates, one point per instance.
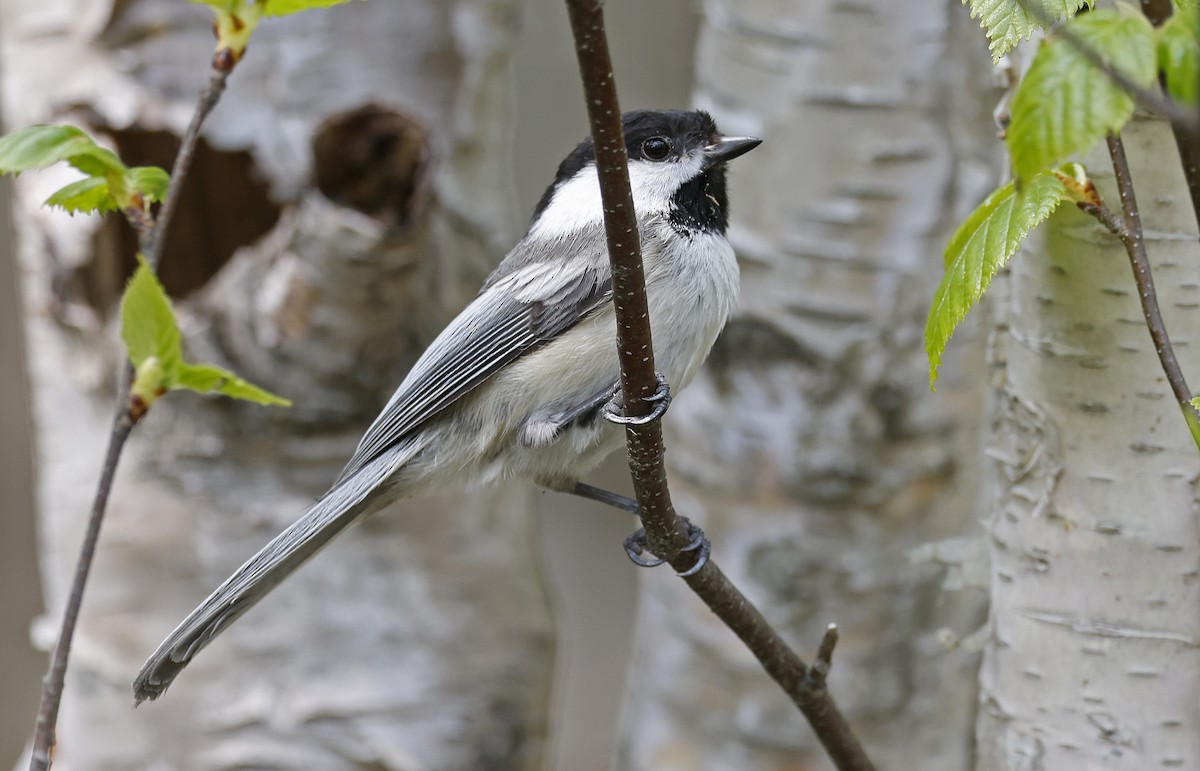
(685, 129)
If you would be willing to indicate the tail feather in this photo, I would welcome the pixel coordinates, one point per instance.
(346, 502)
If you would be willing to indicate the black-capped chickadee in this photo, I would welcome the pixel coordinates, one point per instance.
(516, 385)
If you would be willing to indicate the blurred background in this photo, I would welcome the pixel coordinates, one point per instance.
(366, 168)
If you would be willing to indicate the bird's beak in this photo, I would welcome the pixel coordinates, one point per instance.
(728, 148)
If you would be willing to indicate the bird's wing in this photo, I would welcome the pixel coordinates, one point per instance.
(527, 301)
(530, 299)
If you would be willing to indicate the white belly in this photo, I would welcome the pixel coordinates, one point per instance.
(691, 292)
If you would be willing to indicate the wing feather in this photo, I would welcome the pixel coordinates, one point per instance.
(530, 299)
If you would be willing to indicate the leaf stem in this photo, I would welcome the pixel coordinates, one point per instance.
(1131, 235)
(645, 444)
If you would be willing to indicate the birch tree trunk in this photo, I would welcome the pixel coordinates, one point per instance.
(827, 475)
(371, 657)
(1094, 637)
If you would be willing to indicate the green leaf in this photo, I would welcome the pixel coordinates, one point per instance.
(980, 247)
(152, 337)
(236, 20)
(1179, 58)
(1064, 104)
(287, 7)
(148, 323)
(1188, 9)
(205, 378)
(110, 185)
(150, 181)
(97, 161)
(40, 146)
(1008, 23)
(87, 195)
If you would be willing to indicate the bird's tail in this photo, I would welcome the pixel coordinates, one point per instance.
(346, 502)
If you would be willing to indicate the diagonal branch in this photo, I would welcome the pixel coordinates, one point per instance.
(645, 444)
(1129, 230)
(183, 161)
(52, 683)
(151, 240)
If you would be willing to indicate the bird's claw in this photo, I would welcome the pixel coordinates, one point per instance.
(635, 547)
(661, 399)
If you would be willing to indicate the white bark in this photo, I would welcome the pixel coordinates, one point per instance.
(371, 656)
(1094, 643)
(812, 452)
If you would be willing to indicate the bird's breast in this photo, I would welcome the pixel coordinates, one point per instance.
(691, 287)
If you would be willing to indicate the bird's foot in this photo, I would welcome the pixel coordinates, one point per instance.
(661, 399)
(635, 547)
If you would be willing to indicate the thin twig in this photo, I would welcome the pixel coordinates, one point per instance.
(1132, 237)
(183, 161)
(151, 240)
(52, 683)
(664, 534)
(142, 221)
(1149, 100)
(819, 669)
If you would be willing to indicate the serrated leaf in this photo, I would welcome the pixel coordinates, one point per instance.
(1179, 58)
(150, 181)
(206, 378)
(1065, 104)
(1007, 22)
(40, 146)
(148, 324)
(288, 7)
(980, 247)
(87, 195)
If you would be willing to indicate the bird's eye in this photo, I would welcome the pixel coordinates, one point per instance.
(656, 148)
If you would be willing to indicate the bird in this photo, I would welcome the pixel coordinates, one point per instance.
(525, 381)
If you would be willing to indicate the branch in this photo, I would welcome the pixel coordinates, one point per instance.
(1129, 230)
(52, 683)
(665, 536)
(151, 240)
(183, 161)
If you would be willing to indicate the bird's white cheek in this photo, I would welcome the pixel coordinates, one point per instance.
(576, 203)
